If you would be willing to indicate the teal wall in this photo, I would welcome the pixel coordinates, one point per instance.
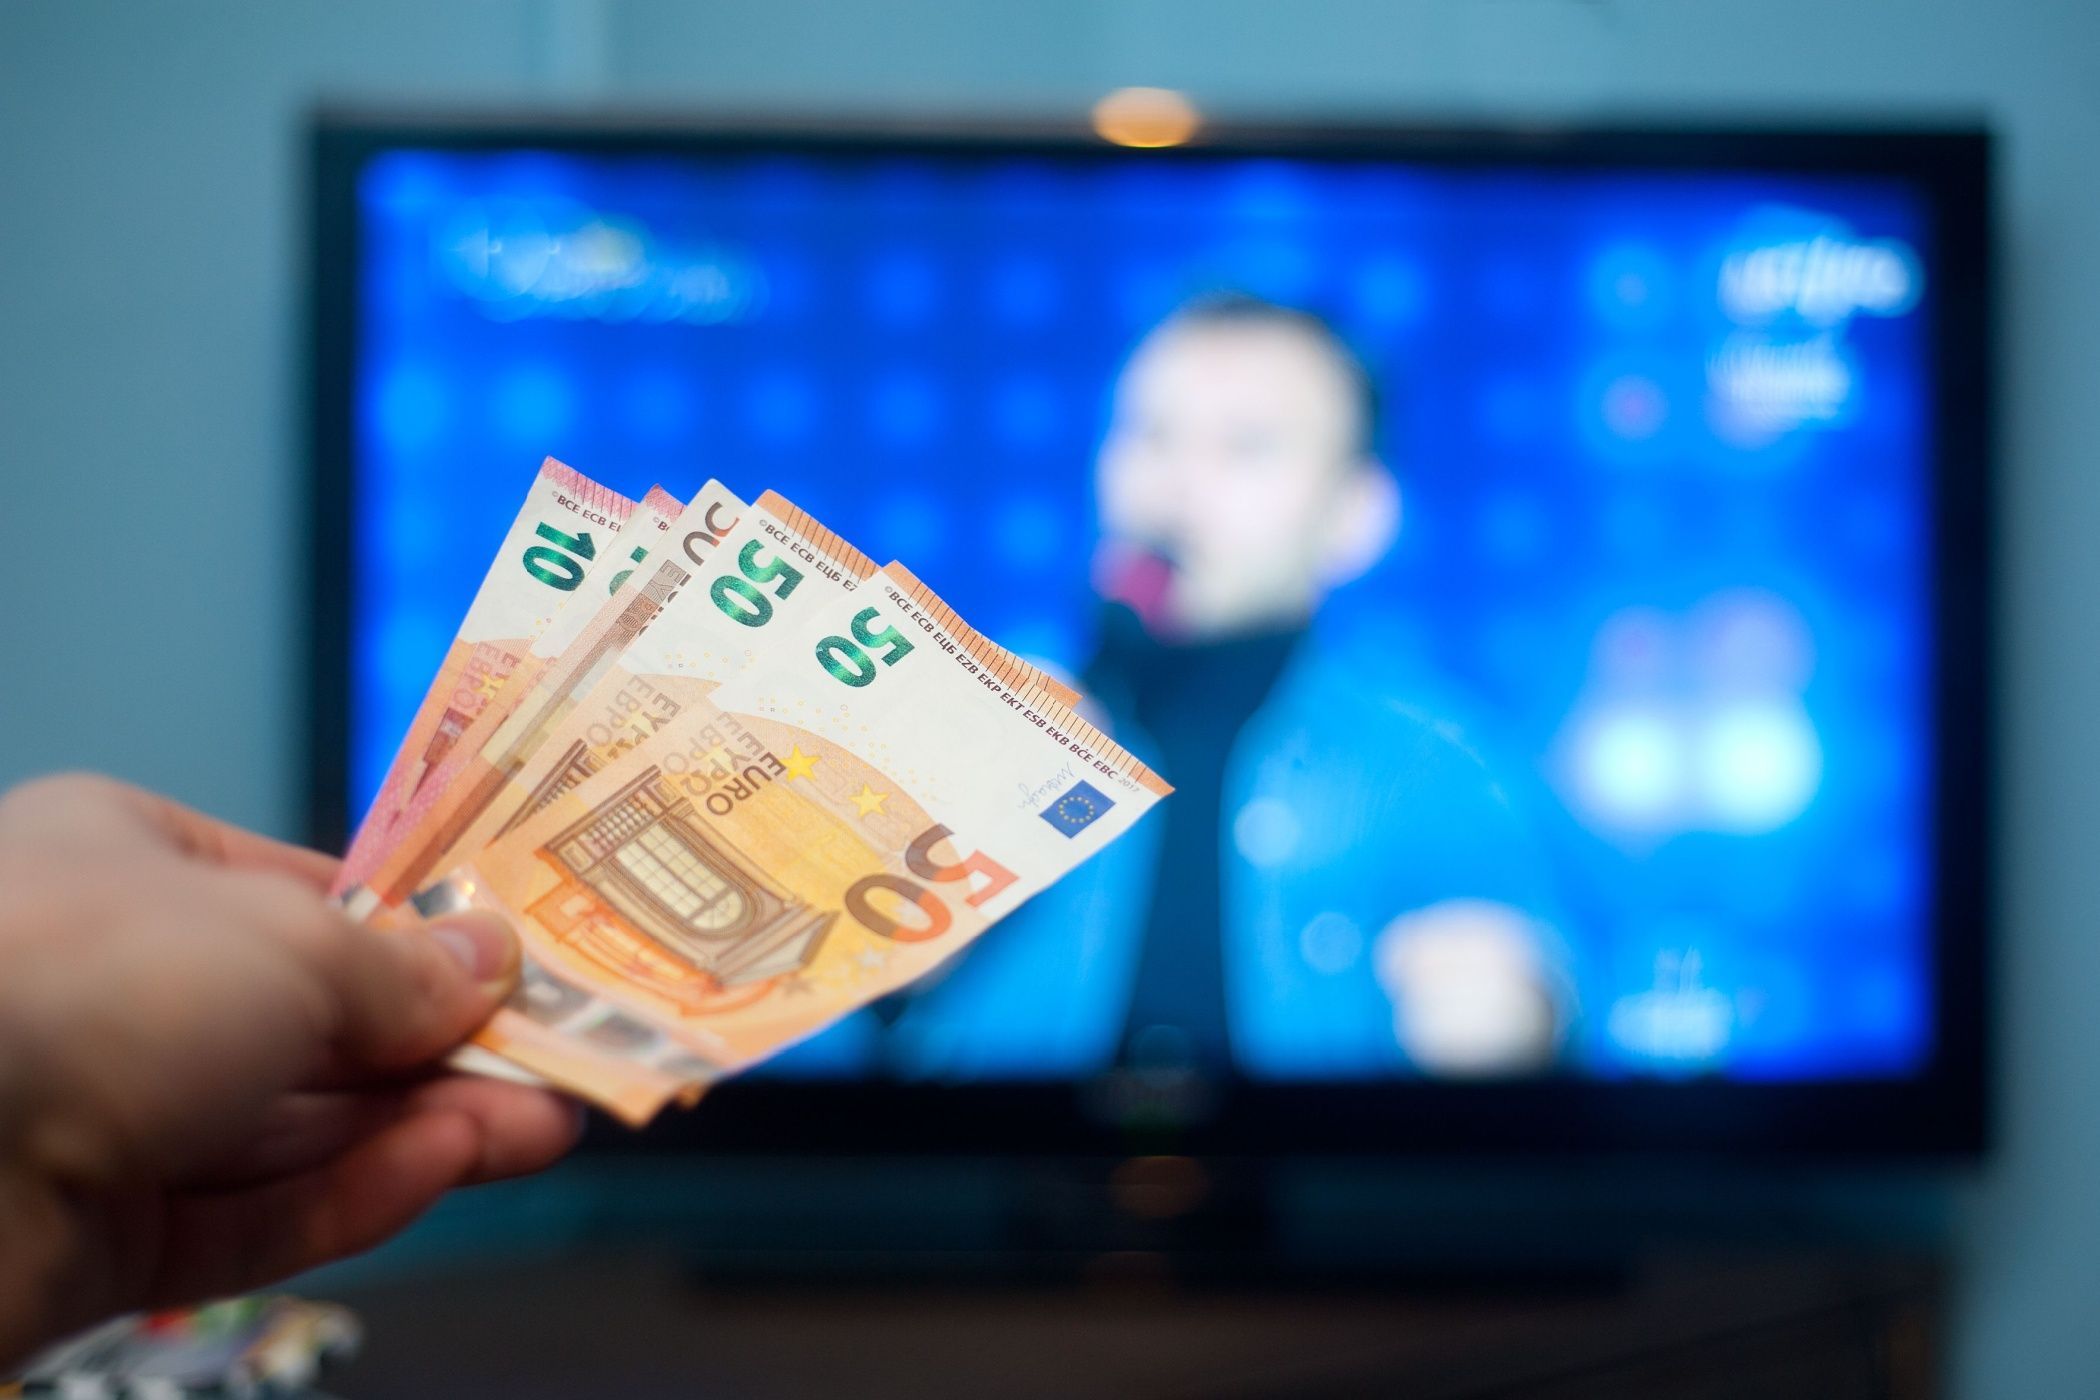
(150, 373)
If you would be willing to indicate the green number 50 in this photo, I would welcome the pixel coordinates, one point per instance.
(848, 662)
(741, 601)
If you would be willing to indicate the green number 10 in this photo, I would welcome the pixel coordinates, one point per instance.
(851, 665)
(555, 568)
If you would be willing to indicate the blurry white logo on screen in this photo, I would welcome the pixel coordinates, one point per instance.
(1823, 280)
(1762, 386)
(519, 259)
(1678, 1021)
(1793, 296)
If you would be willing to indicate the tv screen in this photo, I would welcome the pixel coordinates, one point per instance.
(1533, 564)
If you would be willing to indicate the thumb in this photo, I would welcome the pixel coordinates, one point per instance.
(409, 993)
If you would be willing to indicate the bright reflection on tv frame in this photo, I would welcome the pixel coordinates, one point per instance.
(1524, 575)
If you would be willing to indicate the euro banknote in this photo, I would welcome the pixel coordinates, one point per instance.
(561, 665)
(881, 786)
(565, 524)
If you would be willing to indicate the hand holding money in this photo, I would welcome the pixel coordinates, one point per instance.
(210, 1078)
(754, 786)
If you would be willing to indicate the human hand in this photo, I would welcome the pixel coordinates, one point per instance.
(209, 1077)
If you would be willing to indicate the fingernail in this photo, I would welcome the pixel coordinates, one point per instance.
(480, 943)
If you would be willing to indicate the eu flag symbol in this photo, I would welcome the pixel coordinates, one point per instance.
(1081, 805)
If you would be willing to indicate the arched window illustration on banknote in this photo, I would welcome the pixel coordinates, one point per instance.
(576, 765)
(646, 892)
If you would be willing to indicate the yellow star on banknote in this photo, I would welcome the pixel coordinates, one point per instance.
(869, 801)
(799, 764)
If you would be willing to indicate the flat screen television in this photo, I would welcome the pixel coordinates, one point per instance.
(1552, 564)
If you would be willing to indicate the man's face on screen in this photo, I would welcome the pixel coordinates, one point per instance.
(1233, 448)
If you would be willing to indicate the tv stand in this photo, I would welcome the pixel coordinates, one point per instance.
(626, 1321)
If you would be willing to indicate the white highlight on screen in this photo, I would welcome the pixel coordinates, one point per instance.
(1695, 723)
(1330, 943)
(1632, 766)
(1266, 832)
(1757, 766)
(1469, 988)
(1746, 768)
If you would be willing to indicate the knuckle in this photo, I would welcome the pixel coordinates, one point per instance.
(61, 791)
(75, 782)
(313, 928)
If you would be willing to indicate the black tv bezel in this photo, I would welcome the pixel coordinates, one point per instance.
(1944, 1112)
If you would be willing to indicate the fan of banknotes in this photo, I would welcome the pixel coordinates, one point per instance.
(728, 779)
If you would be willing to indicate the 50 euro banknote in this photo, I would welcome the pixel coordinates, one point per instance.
(823, 829)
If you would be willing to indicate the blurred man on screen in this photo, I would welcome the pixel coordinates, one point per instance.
(1339, 887)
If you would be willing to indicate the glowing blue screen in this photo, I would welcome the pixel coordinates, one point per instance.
(1615, 759)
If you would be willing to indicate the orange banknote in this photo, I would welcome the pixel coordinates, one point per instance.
(565, 526)
(561, 665)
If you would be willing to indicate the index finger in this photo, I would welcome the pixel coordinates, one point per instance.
(89, 806)
(236, 848)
